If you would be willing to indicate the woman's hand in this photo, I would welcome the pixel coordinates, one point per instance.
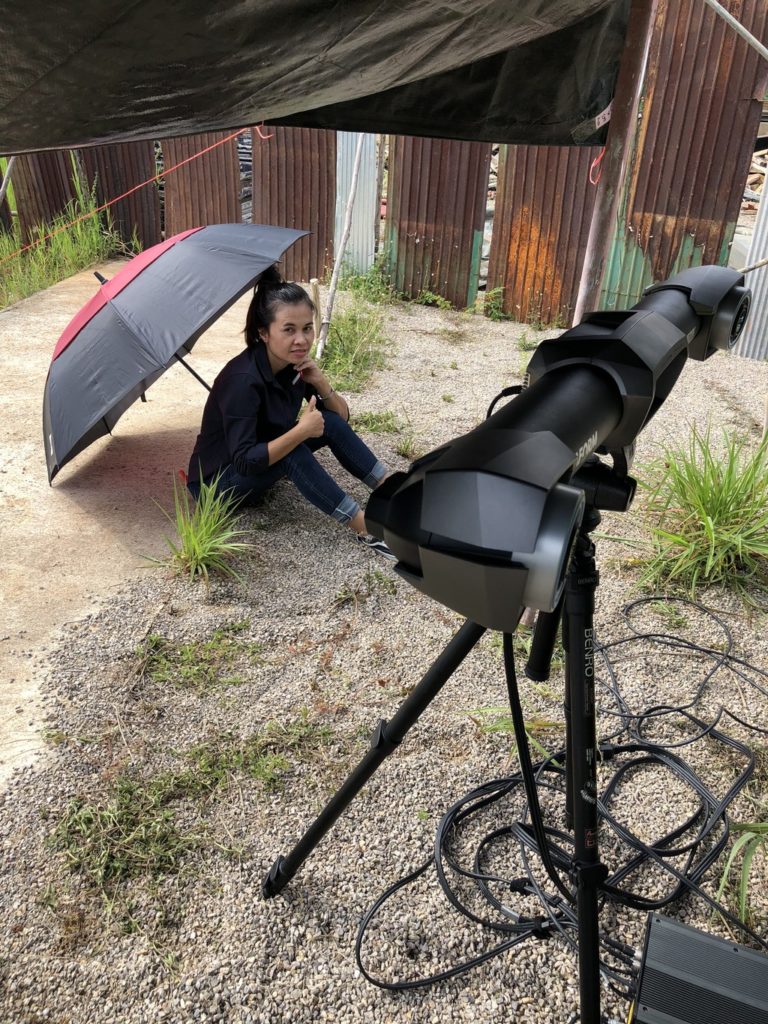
(311, 420)
(312, 374)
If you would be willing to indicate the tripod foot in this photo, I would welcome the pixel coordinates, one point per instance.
(276, 880)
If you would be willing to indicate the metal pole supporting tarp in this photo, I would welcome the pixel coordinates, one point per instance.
(618, 148)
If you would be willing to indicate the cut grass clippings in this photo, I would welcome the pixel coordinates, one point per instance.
(135, 831)
(200, 665)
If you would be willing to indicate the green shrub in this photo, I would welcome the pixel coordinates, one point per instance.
(427, 298)
(709, 516)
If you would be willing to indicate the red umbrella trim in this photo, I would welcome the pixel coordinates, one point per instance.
(114, 287)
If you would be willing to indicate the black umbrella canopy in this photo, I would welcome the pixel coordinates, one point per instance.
(149, 314)
(526, 71)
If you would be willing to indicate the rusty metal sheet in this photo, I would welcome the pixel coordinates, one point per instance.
(541, 220)
(294, 186)
(205, 190)
(117, 169)
(701, 107)
(42, 184)
(435, 216)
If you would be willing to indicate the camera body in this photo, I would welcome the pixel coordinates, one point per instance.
(486, 523)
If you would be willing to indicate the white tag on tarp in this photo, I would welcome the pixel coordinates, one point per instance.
(587, 128)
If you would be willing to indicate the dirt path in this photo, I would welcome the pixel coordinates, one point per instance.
(66, 547)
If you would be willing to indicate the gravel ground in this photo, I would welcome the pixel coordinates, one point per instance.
(319, 642)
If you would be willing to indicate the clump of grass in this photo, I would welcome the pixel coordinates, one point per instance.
(449, 399)
(373, 285)
(752, 837)
(91, 240)
(376, 422)
(408, 447)
(493, 307)
(198, 665)
(709, 516)
(537, 728)
(356, 345)
(208, 535)
(428, 298)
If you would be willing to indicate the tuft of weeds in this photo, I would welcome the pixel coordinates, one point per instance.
(493, 306)
(377, 579)
(427, 298)
(197, 665)
(448, 399)
(134, 833)
(356, 345)
(409, 448)
(376, 422)
(708, 516)
(752, 838)
(71, 247)
(537, 728)
(373, 285)
(208, 534)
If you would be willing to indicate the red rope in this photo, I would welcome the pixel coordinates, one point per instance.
(596, 165)
(130, 191)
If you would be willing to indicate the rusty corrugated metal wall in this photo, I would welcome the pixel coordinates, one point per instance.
(294, 186)
(118, 168)
(700, 112)
(541, 219)
(42, 184)
(435, 216)
(204, 191)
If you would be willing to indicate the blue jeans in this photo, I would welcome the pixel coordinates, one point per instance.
(304, 471)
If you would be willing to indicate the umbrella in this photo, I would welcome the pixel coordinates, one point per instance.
(143, 320)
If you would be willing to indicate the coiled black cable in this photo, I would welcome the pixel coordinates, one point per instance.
(700, 839)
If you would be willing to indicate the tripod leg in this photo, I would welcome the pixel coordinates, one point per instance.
(579, 612)
(385, 739)
(568, 737)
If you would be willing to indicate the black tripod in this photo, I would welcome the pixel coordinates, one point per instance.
(577, 611)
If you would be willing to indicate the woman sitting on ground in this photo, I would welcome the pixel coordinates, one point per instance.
(250, 436)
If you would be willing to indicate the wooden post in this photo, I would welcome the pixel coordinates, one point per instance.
(618, 147)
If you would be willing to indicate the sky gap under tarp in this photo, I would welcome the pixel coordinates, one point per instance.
(518, 71)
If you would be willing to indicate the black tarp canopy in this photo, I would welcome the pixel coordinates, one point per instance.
(518, 71)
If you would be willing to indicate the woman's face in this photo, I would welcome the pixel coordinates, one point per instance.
(290, 335)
